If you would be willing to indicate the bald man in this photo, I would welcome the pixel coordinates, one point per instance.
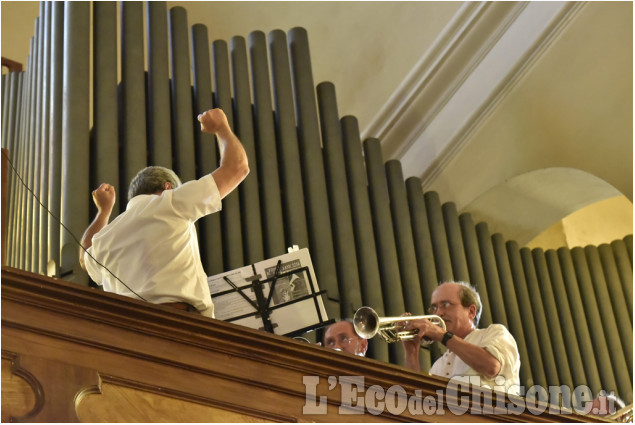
(341, 336)
(489, 353)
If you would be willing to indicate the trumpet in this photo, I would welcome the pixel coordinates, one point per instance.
(367, 324)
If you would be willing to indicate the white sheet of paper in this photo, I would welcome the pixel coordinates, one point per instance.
(286, 319)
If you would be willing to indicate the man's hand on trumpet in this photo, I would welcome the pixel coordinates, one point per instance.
(425, 329)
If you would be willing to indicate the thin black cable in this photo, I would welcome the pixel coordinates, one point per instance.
(66, 228)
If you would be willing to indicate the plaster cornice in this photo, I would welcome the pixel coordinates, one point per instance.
(469, 69)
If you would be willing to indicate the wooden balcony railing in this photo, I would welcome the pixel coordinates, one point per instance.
(71, 353)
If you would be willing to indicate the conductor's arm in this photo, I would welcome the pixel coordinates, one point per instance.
(104, 197)
(233, 166)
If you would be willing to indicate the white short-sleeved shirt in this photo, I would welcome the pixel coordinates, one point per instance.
(153, 248)
(497, 340)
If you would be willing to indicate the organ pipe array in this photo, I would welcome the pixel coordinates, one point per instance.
(69, 123)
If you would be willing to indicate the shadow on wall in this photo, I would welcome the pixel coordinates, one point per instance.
(555, 207)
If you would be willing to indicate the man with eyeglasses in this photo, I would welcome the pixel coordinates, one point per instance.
(341, 336)
(486, 353)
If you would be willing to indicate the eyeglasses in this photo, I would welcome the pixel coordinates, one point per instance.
(443, 304)
(339, 340)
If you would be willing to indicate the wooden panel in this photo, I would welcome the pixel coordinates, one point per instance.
(72, 340)
(18, 396)
(55, 385)
(135, 405)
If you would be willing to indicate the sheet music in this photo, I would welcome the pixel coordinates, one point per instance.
(231, 304)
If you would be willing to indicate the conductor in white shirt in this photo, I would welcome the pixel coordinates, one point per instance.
(152, 247)
(488, 353)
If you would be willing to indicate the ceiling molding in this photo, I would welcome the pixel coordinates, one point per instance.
(425, 69)
(472, 65)
(452, 138)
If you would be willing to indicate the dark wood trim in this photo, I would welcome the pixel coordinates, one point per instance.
(4, 203)
(13, 66)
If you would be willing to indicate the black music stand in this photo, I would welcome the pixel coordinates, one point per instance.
(278, 295)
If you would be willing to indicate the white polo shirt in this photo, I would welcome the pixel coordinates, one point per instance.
(153, 248)
(497, 340)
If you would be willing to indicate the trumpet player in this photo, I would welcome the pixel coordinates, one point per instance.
(487, 353)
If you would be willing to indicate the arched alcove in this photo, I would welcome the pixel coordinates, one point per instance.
(525, 206)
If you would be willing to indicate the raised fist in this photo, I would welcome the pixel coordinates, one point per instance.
(213, 121)
(104, 197)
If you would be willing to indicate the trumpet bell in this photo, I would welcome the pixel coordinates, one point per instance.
(366, 322)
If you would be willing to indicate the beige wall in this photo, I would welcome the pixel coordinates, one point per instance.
(602, 222)
(18, 23)
(365, 48)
